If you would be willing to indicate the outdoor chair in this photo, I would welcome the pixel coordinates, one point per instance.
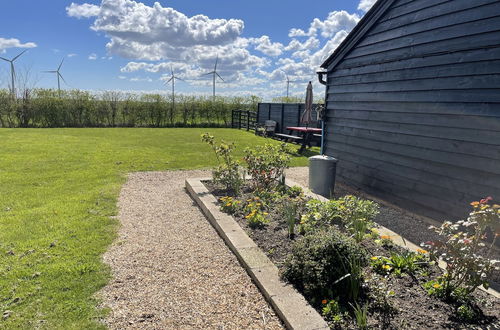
(268, 129)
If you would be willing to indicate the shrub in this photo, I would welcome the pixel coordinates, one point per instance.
(354, 213)
(459, 248)
(227, 172)
(325, 263)
(266, 165)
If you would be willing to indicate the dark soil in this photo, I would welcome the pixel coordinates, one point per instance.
(411, 306)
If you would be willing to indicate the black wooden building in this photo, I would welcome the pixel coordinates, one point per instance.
(413, 104)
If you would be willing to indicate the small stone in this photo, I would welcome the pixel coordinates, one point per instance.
(10, 253)
(52, 244)
(6, 314)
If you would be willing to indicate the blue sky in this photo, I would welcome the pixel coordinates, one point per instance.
(131, 45)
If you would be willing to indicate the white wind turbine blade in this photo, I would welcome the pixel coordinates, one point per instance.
(15, 58)
(166, 82)
(216, 60)
(60, 75)
(59, 67)
(218, 75)
(3, 58)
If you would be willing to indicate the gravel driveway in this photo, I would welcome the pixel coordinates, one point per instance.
(170, 268)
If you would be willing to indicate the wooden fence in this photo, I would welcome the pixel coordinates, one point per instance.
(243, 119)
(285, 114)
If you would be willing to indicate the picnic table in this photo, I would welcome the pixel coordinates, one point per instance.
(305, 136)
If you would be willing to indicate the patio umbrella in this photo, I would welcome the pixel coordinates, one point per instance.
(306, 117)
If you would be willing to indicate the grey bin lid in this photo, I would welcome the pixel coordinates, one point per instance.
(322, 158)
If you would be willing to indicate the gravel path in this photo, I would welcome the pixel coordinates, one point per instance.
(170, 268)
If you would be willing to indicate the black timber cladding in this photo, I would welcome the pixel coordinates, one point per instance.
(413, 104)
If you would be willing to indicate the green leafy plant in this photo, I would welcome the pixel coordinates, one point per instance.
(380, 292)
(320, 263)
(360, 315)
(229, 204)
(356, 215)
(256, 217)
(266, 164)
(295, 191)
(467, 313)
(227, 173)
(332, 311)
(398, 263)
(459, 247)
(290, 214)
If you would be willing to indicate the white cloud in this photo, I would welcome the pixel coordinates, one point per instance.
(85, 10)
(310, 44)
(14, 43)
(365, 5)
(138, 79)
(297, 33)
(93, 57)
(267, 47)
(136, 22)
(72, 55)
(155, 38)
(320, 56)
(336, 21)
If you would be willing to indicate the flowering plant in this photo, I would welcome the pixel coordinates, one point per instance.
(227, 172)
(256, 217)
(229, 204)
(266, 164)
(459, 247)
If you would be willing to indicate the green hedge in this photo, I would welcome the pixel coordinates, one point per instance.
(76, 108)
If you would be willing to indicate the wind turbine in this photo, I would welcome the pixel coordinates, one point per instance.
(172, 79)
(59, 75)
(13, 71)
(214, 73)
(288, 81)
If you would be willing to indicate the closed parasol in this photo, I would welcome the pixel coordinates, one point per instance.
(306, 117)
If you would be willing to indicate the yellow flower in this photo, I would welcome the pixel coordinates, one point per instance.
(374, 258)
(385, 237)
(265, 213)
(386, 267)
(324, 301)
(422, 251)
(437, 285)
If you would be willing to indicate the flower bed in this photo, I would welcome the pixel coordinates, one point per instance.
(333, 254)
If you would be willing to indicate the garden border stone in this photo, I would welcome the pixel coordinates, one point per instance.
(288, 303)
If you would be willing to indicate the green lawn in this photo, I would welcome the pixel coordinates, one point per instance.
(58, 191)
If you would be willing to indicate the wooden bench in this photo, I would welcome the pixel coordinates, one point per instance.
(288, 137)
